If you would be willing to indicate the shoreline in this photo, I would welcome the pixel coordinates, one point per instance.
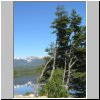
(29, 96)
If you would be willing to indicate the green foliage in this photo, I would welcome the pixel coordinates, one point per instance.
(51, 49)
(79, 81)
(16, 73)
(75, 21)
(54, 88)
(62, 31)
(79, 75)
(71, 38)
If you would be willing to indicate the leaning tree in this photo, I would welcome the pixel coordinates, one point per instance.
(68, 53)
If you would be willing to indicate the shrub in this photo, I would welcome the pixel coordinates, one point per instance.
(54, 88)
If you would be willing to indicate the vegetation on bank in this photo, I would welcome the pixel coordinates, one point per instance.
(35, 71)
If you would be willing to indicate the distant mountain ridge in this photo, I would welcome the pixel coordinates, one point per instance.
(28, 62)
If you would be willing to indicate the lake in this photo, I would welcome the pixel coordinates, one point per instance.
(24, 79)
(21, 84)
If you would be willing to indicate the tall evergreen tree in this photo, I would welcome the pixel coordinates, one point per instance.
(68, 53)
(60, 25)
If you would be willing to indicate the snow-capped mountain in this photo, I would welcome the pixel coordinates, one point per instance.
(28, 62)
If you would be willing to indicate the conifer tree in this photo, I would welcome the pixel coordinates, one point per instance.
(60, 25)
(68, 53)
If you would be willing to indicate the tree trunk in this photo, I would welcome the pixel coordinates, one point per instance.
(69, 72)
(54, 62)
(67, 83)
(45, 68)
(64, 71)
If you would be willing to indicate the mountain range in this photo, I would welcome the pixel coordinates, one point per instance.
(28, 62)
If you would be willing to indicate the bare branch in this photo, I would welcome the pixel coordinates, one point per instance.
(70, 61)
(73, 63)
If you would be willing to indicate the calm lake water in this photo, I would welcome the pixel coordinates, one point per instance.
(21, 88)
(24, 79)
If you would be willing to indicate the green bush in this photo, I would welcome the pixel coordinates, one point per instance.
(54, 88)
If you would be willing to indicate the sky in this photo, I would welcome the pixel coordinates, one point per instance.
(32, 21)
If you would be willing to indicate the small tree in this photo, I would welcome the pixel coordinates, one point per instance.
(54, 88)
